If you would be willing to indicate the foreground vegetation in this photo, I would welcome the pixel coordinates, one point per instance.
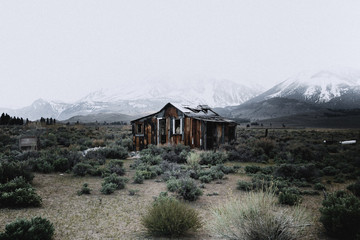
(83, 181)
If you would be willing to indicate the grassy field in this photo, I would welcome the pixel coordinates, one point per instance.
(117, 216)
(98, 216)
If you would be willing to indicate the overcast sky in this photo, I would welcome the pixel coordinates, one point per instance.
(62, 50)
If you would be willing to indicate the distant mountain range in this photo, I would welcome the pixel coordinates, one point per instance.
(330, 88)
(141, 99)
(308, 92)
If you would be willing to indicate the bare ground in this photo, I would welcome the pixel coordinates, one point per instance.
(117, 216)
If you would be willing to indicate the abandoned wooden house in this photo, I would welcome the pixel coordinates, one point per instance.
(27, 143)
(198, 127)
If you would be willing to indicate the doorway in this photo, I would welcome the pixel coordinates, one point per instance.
(162, 131)
(210, 135)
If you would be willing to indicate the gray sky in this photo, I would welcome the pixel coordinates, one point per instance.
(66, 49)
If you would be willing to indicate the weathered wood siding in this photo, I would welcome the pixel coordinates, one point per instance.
(194, 132)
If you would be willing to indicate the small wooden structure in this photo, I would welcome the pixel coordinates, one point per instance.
(27, 143)
(198, 127)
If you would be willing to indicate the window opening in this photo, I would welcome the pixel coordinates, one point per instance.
(139, 128)
(177, 126)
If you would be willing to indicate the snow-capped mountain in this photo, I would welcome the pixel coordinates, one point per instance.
(39, 108)
(215, 93)
(308, 92)
(335, 88)
(136, 99)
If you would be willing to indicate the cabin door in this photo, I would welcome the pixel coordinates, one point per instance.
(210, 135)
(162, 131)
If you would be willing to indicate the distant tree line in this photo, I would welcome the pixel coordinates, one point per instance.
(5, 119)
(48, 121)
(116, 123)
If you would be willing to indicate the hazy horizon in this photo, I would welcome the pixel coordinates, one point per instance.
(63, 50)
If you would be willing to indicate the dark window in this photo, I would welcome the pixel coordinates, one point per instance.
(139, 128)
(177, 126)
(162, 130)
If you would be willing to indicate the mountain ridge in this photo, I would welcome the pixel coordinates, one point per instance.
(304, 92)
(136, 100)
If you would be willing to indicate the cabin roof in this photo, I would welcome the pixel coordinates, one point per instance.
(201, 112)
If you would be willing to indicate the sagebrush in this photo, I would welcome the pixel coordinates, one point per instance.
(258, 216)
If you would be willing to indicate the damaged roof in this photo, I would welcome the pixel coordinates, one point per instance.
(201, 112)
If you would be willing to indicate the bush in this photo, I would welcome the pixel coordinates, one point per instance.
(319, 186)
(81, 169)
(288, 197)
(172, 185)
(133, 192)
(61, 164)
(18, 193)
(227, 169)
(172, 156)
(188, 189)
(266, 144)
(173, 170)
(11, 170)
(267, 170)
(244, 186)
(310, 193)
(355, 188)
(118, 152)
(35, 229)
(42, 165)
(169, 217)
(150, 159)
(205, 178)
(215, 172)
(148, 171)
(73, 157)
(84, 190)
(97, 156)
(329, 171)
(127, 143)
(139, 177)
(116, 166)
(152, 150)
(115, 179)
(108, 188)
(340, 215)
(252, 169)
(292, 171)
(181, 148)
(257, 216)
(193, 160)
(212, 158)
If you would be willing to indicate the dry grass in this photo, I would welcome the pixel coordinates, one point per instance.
(94, 216)
(117, 216)
(256, 215)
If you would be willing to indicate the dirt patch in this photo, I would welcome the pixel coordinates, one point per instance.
(117, 216)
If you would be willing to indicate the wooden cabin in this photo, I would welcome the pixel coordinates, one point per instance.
(198, 127)
(27, 143)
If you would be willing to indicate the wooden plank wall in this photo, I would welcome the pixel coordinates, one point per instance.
(194, 131)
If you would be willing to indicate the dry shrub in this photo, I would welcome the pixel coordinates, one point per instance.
(170, 217)
(257, 216)
(193, 160)
(98, 143)
(266, 144)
